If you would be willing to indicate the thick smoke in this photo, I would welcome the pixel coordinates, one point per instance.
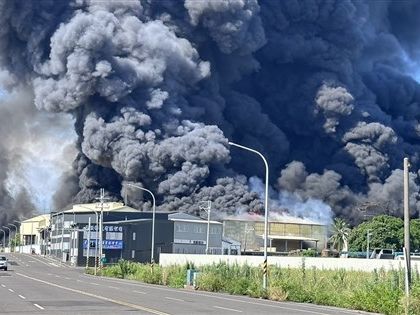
(325, 90)
(31, 155)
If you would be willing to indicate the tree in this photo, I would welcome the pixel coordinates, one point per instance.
(386, 232)
(415, 235)
(340, 235)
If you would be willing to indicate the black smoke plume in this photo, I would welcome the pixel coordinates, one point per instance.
(326, 90)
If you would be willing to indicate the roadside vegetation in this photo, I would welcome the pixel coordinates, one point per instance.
(377, 291)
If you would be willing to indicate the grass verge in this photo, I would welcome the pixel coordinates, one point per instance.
(379, 291)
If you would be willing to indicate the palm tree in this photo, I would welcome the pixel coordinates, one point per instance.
(340, 235)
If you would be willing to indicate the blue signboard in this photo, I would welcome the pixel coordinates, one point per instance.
(106, 244)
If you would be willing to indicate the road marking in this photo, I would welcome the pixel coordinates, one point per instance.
(39, 306)
(22, 297)
(103, 298)
(228, 309)
(111, 287)
(57, 276)
(11, 290)
(93, 283)
(67, 278)
(3, 285)
(173, 299)
(237, 299)
(141, 292)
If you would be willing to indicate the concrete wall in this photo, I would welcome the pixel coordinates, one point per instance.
(26, 249)
(292, 262)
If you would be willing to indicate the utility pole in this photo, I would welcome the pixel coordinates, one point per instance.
(101, 219)
(88, 244)
(208, 210)
(407, 229)
(368, 234)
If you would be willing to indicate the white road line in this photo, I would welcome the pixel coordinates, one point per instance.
(141, 292)
(57, 276)
(67, 278)
(3, 285)
(39, 306)
(11, 290)
(271, 304)
(93, 283)
(173, 299)
(111, 287)
(22, 297)
(103, 298)
(79, 280)
(228, 309)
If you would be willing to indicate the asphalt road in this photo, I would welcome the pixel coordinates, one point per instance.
(37, 284)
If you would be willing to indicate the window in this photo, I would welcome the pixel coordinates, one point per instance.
(181, 227)
(306, 230)
(276, 228)
(134, 236)
(133, 254)
(214, 229)
(259, 228)
(292, 229)
(198, 228)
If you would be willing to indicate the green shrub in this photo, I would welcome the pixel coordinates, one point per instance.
(174, 276)
(379, 291)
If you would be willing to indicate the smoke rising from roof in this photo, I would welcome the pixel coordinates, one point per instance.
(322, 89)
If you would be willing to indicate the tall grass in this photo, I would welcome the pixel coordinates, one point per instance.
(379, 291)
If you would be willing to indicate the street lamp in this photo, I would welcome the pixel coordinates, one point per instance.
(15, 233)
(96, 238)
(208, 210)
(368, 235)
(153, 217)
(265, 208)
(407, 228)
(32, 228)
(20, 235)
(10, 231)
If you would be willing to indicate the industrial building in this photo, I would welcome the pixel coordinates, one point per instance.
(190, 235)
(69, 231)
(127, 234)
(33, 234)
(285, 234)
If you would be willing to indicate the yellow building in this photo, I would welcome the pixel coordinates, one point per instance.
(284, 234)
(32, 234)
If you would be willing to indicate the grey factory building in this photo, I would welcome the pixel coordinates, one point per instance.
(127, 234)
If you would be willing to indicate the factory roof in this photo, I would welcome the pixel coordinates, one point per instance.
(185, 217)
(274, 219)
(108, 207)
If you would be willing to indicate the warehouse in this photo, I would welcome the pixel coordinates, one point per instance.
(69, 230)
(127, 234)
(285, 234)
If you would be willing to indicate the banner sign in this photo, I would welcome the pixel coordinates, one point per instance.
(106, 244)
